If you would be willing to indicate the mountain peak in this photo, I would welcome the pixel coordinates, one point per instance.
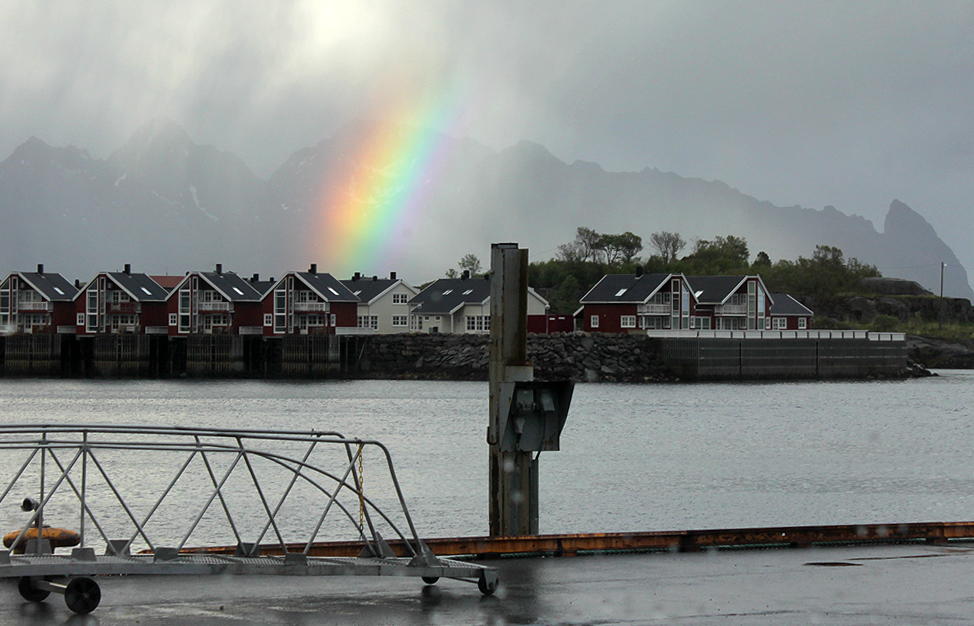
(158, 139)
(902, 220)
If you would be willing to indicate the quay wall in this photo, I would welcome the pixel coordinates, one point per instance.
(581, 357)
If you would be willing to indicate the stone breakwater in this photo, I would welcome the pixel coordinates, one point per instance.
(581, 357)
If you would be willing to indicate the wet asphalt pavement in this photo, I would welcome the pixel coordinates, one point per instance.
(908, 584)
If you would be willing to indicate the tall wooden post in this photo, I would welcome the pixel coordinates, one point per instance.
(513, 474)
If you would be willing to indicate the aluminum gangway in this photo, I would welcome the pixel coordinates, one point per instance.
(140, 494)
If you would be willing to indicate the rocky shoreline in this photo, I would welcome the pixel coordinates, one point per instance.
(936, 353)
(560, 356)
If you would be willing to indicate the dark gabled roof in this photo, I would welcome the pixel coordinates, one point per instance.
(785, 305)
(625, 288)
(139, 286)
(368, 289)
(714, 289)
(446, 295)
(231, 286)
(52, 286)
(263, 286)
(327, 286)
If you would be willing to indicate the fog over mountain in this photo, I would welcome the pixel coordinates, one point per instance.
(166, 204)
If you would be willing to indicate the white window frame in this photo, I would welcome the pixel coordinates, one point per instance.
(627, 321)
(268, 319)
(400, 298)
(400, 321)
(802, 323)
(79, 319)
(594, 321)
(173, 319)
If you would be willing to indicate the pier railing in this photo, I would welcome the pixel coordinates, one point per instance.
(158, 488)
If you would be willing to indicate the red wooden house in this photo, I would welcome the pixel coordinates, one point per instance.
(37, 302)
(215, 302)
(789, 314)
(309, 303)
(121, 302)
(631, 302)
(628, 302)
(730, 303)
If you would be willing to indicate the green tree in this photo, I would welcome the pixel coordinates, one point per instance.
(721, 255)
(470, 263)
(620, 249)
(668, 245)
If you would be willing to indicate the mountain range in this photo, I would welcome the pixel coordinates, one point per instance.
(165, 204)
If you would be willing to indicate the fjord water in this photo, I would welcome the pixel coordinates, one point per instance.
(633, 457)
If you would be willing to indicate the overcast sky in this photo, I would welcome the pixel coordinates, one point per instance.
(850, 104)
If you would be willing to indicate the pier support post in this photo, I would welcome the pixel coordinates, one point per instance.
(513, 474)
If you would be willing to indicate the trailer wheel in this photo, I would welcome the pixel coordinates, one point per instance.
(82, 595)
(430, 580)
(29, 593)
(487, 583)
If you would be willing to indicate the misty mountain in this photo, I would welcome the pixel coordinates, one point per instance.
(166, 204)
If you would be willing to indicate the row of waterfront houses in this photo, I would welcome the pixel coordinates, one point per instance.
(312, 302)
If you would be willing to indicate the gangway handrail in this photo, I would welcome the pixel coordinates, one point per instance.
(278, 465)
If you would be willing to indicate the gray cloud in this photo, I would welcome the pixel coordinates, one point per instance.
(811, 103)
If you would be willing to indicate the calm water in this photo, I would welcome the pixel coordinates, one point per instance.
(633, 458)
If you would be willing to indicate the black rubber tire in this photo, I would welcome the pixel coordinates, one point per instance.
(486, 588)
(82, 595)
(430, 580)
(27, 592)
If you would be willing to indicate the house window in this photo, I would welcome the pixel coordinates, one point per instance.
(334, 320)
(173, 319)
(478, 323)
(268, 319)
(80, 321)
(368, 321)
(280, 311)
(400, 320)
(92, 309)
(185, 319)
(594, 321)
(802, 323)
(400, 298)
(122, 322)
(415, 322)
(627, 321)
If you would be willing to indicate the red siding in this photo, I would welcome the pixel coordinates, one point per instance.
(609, 317)
(346, 314)
(545, 324)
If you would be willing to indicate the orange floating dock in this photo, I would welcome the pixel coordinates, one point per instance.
(672, 541)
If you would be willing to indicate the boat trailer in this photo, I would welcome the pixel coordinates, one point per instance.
(143, 492)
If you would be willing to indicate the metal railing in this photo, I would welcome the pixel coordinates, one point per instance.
(98, 468)
(310, 307)
(249, 484)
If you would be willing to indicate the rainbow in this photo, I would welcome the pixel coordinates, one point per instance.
(361, 217)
